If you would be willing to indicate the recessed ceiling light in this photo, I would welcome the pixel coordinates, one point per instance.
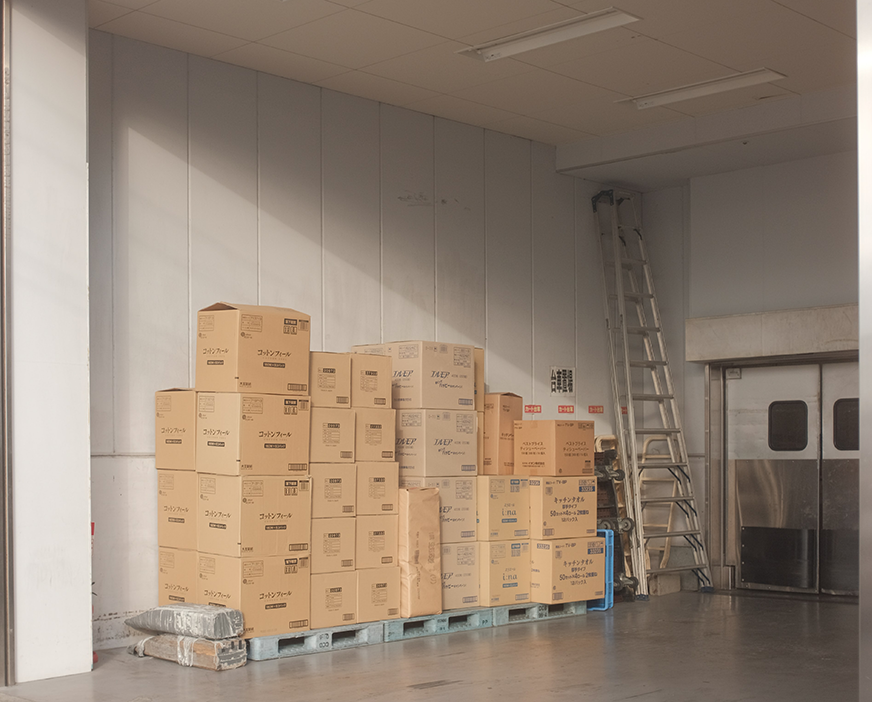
(550, 34)
(708, 87)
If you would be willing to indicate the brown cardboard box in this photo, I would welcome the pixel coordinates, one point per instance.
(248, 348)
(252, 434)
(567, 570)
(330, 379)
(334, 599)
(505, 573)
(177, 509)
(457, 506)
(562, 508)
(478, 358)
(479, 438)
(378, 594)
(334, 489)
(253, 516)
(503, 507)
(375, 434)
(272, 592)
(460, 576)
(376, 541)
(175, 429)
(377, 486)
(176, 576)
(420, 553)
(553, 447)
(371, 381)
(333, 544)
(429, 374)
(436, 443)
(501, 411)
(332, 436)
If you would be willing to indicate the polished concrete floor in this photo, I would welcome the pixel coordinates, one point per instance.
(683, 647)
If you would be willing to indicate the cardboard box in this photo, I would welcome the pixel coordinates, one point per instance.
(553, 447)
(175, 429)
(478, 378)
(371, 381)
(253, 516)
(177, 509)
(334, 599)
(436, 443)
(333, 544)
(505, 573)
(377, 487)
(272, 592)
(420, 553)
(330, 379)
(479, 440)
(460, 576)
(457, 506)
(429, 374)
(571, 570)
(177, 576)
(252, 434)
(378, 594)
(503, 507)
(334, 489)
(501, 411)
(332, 436)
(377, 542)
(562, 508)
(375, 434)
(248, 348)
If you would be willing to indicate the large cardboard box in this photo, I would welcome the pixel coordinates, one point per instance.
(334, 489)
(334, 599)
(479, 439)
(436, 443)
(562, 508)
(460, 576)
(371, 381)
(378, 594)
(332, 436)
(503, 507)
(177, 509)
(567, 570)
(248, 348)
(330, 379)
(272, 592)
(375, 434)
(501, 411)
(429, 374)
(478, 358)
(333, 544)
(252, 434)
(553, 447)
(458, 506)
(175, 429)
(377, 544)
(505, 573)
(253, 516)
(420, 553)
(377, 486)
(176, 576)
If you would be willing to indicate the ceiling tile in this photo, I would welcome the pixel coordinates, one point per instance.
(376, 88)
(281, 63)
(349, 3)
(353, 39)
(605, 116)
(502, 29)
(252, 19)
(811, 71)
(732, 100)
(592, 44)
(450, 107)
(132, 4)
(537, 130)
(100, 12)
(840, 15)
(173, 35)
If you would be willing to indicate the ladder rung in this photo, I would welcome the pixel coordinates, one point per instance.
(675, 569)
(661, 465)
(647, 364)
(669, 534)
(665, 500)
(651, 397)
(661, 430)
(633, 296)
(642, 330)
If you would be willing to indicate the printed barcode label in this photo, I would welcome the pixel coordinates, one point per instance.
(558, 554)
(385, 454)
(298, 623)
(298, 547)
(342, 400)
(467, 534)
(557, 596)
(465, 402)
(347, 509)
(387, 508)
(387, 559)
(548, 532)
(393, 611)
(348, 617)
(346, 454)
(297, 467)
(522, 596)
(289, 570)
(379, 401)
(298, 387)
(472, 599)
(348, 563)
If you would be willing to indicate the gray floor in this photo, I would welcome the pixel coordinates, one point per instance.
(687, 646)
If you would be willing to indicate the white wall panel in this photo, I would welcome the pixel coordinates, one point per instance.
(150, 313)
(289, 153)
(352, 259)
(408, 236)
(460, 269)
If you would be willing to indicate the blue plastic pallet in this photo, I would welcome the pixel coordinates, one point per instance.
(608, 601)
(265, 648)
(459, 620)
(513, 614)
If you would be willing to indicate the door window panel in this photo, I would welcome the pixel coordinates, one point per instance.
(846, 424)
(788, 425)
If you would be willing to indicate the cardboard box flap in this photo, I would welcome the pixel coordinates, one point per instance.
(509, 394)
(225, 306)
(176, 390)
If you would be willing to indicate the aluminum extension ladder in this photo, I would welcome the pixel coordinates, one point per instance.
(659, 490)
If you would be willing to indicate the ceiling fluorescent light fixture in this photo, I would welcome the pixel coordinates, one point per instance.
(708, 87)
(550, 34)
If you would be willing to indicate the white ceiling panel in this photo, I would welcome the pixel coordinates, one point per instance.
(451, 107)
(376, 88)
(841, 16)
(537, 130)
(173, 35)
(732, 100)
(503, 29)
(574, 49)
(605, 116)
(100, 12)
(132, 4)
(281, 63)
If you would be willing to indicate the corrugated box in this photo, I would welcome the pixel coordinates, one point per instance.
(479, 437)
(505, 573)
(420, 553)
(334, 599)
(332, 436)
(457, 506)
(375, 434)
(371, 380)
(378, 594)
(460, 576)
(553, 447)
(333, 544)
(249, 348)
(177, 509)
(377, 541)
(377, 486)
(334, 489)
(503, 507)
(436, 443)
(501, 411)
(478, 357)
(176, 576)
(562, 508)
(571, 570)
(175, 429)
(330, 379)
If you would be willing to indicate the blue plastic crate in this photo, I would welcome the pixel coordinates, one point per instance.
(608, 601)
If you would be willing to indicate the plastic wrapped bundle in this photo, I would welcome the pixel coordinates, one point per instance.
(225, 654)
(198, 621)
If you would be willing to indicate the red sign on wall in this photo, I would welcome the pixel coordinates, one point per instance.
(595, 409)
(532, 409)
(566, 409)
(623, 410)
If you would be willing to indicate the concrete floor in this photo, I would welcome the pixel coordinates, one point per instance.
(682, 647)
